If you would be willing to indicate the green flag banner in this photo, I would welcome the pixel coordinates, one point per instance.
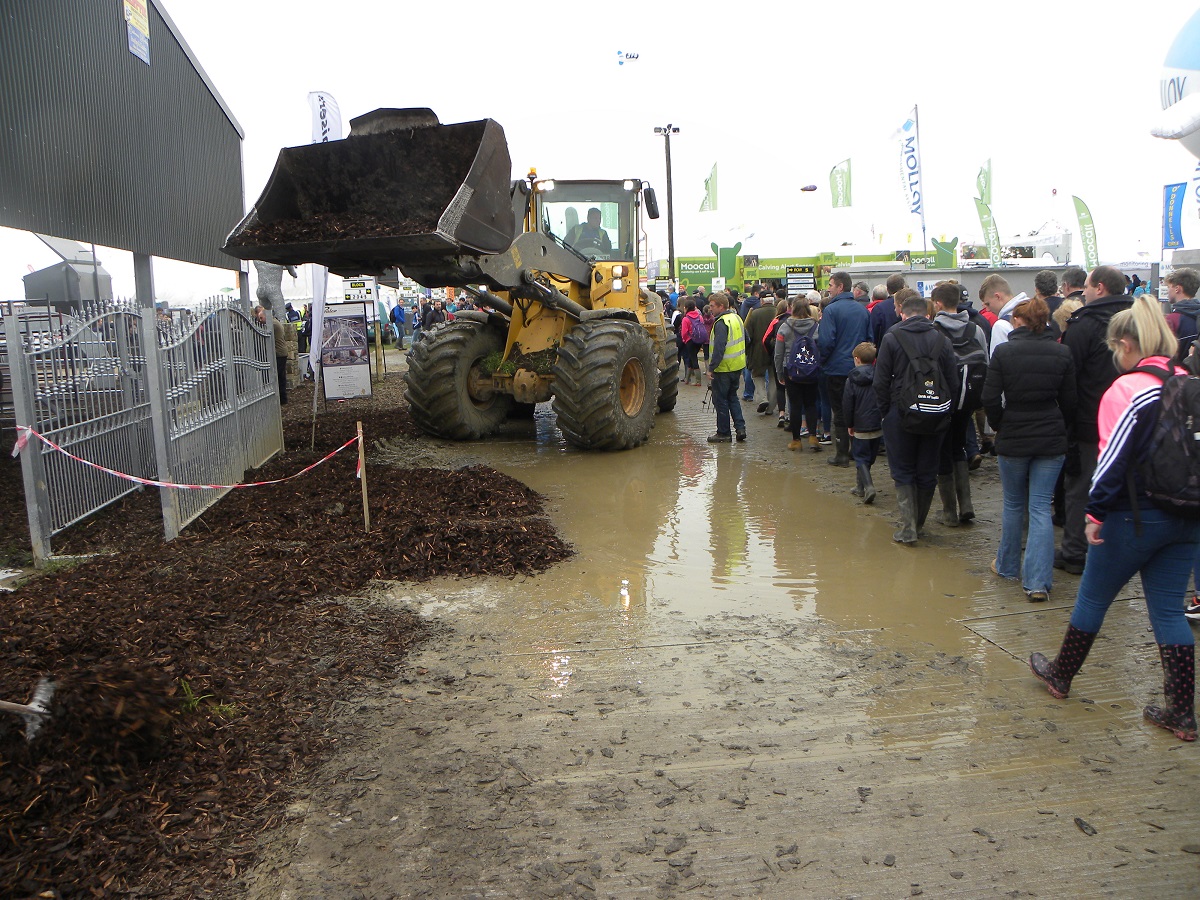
(839, 184)
(1087, 234)
(983, 183)
(991, 236)
(710, 191)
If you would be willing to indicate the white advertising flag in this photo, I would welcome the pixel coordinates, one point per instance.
(910, 164)
(326, 126)
(326, 117)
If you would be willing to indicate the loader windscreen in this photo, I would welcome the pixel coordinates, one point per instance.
(598, 220)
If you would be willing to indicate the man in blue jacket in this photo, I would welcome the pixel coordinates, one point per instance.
(884, 315)
(845, 324)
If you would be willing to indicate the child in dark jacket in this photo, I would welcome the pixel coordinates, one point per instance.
(865, 424)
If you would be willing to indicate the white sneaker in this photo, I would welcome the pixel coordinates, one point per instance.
(1192, 610)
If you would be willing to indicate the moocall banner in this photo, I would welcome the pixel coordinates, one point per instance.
(694, 273)
(1087, 234)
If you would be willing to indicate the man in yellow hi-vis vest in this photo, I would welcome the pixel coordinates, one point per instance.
(726, 360)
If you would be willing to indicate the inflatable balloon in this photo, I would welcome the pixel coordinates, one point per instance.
(1180, 89)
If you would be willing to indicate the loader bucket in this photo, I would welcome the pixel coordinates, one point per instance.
(387, 195)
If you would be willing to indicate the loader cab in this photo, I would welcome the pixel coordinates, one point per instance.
(561, 208)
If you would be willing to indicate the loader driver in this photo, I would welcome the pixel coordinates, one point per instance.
(589, 235)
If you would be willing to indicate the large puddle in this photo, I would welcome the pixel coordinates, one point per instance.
(679, 527)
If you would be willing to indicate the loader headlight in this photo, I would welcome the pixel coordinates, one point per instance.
(628, 185)
(618, 271)
(618, 284)
(547, 185)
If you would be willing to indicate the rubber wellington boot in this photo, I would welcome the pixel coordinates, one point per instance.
(857, 490)
(841, 443)
(868, 487)
(924, 501)
(962, 487)
(949, 500)
(906, 501)
(1057, 675)
(1179, 690)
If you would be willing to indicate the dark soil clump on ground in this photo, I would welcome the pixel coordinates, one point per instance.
(198, 680)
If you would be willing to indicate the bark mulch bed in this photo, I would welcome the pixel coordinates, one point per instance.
(198, 680)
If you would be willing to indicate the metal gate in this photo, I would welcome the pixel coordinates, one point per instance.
(81, 383)
(186, 400)
(219, 409)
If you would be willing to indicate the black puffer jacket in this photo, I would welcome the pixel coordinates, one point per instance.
(1030, 394)
(892, 361)
(1085, 337)
(859, 406)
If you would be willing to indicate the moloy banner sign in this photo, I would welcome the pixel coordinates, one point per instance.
(1173, 195)
(1087, 234)
(991, 236)
(910, 165)
(839, 184)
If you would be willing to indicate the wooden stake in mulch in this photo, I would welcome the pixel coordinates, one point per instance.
(362, 474)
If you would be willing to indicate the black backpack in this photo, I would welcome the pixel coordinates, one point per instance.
(1185, 342)
(1170, 469)
(972, 363)
(925, 397)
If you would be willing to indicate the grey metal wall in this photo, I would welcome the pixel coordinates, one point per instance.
(95, 145)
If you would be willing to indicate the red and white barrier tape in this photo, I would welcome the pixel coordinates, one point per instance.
(24, 433)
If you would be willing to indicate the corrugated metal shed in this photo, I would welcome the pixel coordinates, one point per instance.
(98, 146)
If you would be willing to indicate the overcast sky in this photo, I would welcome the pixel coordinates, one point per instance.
(1059, 94)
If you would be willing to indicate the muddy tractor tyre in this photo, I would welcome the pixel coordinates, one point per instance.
(606, 385)
(446, 393)
(668, 378)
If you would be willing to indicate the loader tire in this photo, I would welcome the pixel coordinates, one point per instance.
(606, 385)
(668, 378)
(439, 377)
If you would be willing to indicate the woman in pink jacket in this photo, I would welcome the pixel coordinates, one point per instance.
(1127, 533)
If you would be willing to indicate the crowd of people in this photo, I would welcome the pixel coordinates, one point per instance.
(1066, 388)
(407, 320)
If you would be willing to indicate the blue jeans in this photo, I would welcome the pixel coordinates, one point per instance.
(725, 399)
(748, 393)
(1028, 483)
(823, 409)
(1163, 553)
(1196, 572)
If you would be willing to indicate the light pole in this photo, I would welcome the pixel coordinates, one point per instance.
(666, 132)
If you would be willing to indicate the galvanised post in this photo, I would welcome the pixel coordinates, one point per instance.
(33, 467)
(159, 417)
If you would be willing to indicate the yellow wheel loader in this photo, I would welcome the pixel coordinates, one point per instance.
(553, 266)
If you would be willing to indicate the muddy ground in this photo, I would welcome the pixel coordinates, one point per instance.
(196, 680)
(738, 686)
